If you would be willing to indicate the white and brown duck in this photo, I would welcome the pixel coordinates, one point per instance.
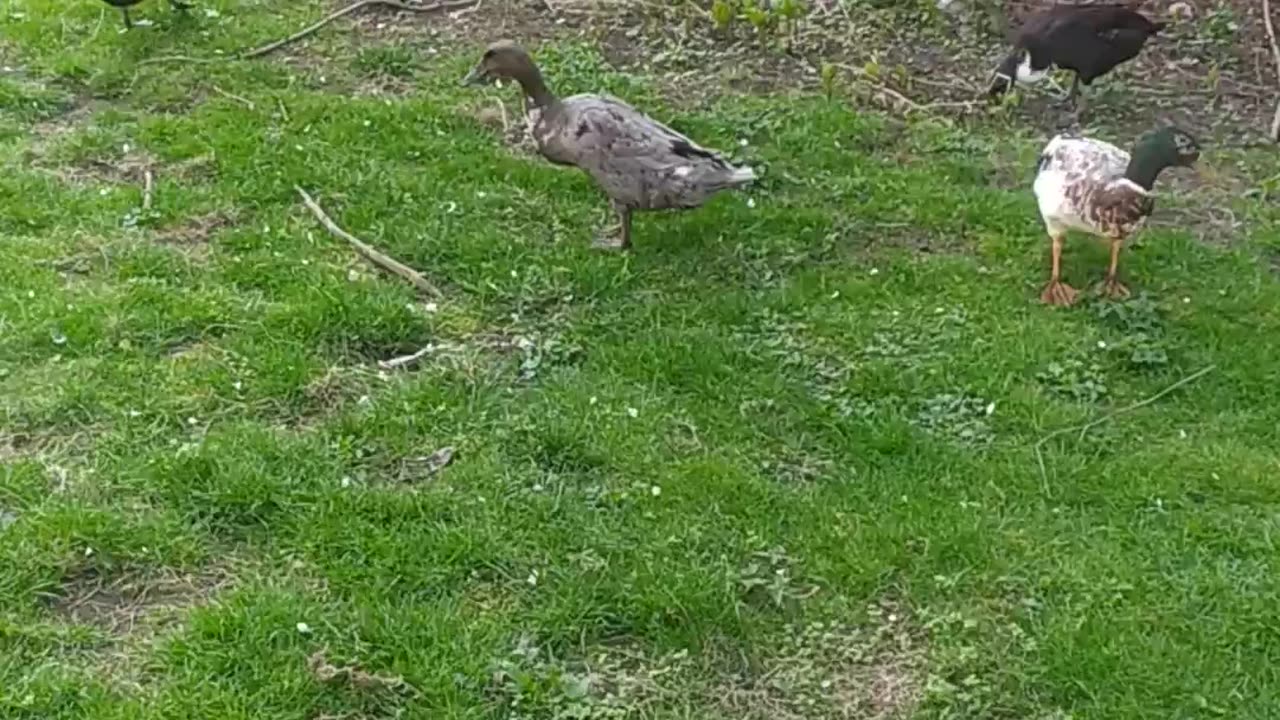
(1095, 187)
(640, 163)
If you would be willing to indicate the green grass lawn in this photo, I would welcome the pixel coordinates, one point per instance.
(779, 462)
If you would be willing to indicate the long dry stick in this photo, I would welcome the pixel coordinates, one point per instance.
(1275, 53)
(385, 262)
(232, 96)
(311, 29)
(1086, 427)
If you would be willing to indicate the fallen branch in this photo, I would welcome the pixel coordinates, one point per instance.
(311, 29)
(183, 59)
(385, 262)
(1275, 53)
(1086, 427)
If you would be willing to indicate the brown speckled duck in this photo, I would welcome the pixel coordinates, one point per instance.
(640, 163)
(1095, 187)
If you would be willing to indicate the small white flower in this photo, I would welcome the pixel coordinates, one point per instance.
(751, 202)
(192, 421)
(1186, 300)
(31, 293)
(632, 412)
(211, 13)
(1102, 344)
(835, 294)
(88, 551)
(126, 148)
(367, 123)
(874, 271)
(655, 491)
(533, 578)
(537, 488)
(303, 628)
(1182, 434)
(991, 407)
(134, 414)
(431, 307)
(481, 194)
(593, 400)
(742, 142)
(237, 385)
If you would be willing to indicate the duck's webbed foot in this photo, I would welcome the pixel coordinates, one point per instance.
(128, 21)
(1058, 293)
(616, 236)
(1113, 289)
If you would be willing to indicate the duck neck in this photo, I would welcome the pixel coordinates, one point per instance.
(1145, 166)
(535, 89)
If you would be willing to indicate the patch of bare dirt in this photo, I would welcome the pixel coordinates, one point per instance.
(873, 671)
(128, 604)
(193, 235)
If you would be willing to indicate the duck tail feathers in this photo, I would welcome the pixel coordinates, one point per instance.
(742, 175)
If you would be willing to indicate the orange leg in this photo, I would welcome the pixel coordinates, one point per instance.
(1057, 292)
(1111, 287)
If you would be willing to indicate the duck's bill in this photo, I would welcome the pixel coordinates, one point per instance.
(477, 76)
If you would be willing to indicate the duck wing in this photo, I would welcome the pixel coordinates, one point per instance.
(1089, 39)
(1119, 209)
(603, 125)
(1083, 159)
(639, 161)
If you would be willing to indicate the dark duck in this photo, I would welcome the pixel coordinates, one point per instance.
(1090, 40)
(124, 6)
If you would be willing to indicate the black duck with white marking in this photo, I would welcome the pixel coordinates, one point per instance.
(1090, 40)
(124, 6)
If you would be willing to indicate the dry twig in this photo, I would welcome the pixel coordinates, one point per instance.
(406, 360)
(1086, 427)
(148, 183)
(231, 96)
(1275, 53)
(385, 262)
(311, 29)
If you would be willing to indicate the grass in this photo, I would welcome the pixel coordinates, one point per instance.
(775, 463)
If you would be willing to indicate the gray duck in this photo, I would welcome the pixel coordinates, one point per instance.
(640, 163)
(124, 6)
